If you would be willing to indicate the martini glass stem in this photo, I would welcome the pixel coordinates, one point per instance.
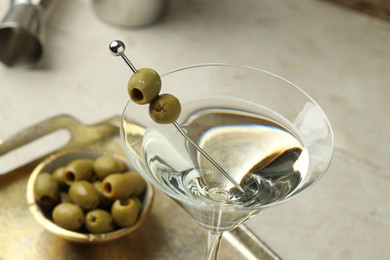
(213, 245)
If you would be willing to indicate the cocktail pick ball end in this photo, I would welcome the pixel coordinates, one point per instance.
(117, 47)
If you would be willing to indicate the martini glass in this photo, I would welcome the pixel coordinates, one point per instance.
(269, 136)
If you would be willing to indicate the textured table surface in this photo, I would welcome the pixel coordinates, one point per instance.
(339, 56)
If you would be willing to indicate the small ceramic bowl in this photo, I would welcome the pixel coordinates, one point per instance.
(60, 159)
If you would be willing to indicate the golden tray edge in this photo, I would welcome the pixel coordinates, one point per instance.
(168, 233)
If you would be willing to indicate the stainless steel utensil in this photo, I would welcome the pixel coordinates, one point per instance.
(130, 13)
(22, 32)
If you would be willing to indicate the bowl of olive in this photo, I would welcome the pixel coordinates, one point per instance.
(88, 196)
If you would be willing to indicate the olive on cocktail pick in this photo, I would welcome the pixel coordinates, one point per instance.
(163, 109)
(144, 86)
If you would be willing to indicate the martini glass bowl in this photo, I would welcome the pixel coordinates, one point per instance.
(266, 133)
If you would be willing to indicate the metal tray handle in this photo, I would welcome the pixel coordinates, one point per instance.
(80, 135)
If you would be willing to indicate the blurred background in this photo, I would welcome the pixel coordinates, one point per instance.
(337, 51)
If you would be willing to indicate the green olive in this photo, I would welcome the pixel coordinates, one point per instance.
(81, 169)
(125, 212)
(137, 182)
(105, 165)
(138, 201)
(64, 197)
(46, 190)
(68, 216)
(144, 86)
(122, 186)
(165, 109)
(84, 194)
(122, 166)
(117, 186)
(59, 176)
(99, 221)
(104, 202)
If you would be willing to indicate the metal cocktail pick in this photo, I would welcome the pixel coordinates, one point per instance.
(117, 48)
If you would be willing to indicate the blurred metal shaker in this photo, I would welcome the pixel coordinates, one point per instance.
(130, 13)
(22, 32)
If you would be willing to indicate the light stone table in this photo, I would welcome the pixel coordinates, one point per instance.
(339, 56)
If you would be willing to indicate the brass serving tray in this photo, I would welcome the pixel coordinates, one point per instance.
(168, 233)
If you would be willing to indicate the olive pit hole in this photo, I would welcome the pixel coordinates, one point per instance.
(124, 202)
(70, 176)
(107, 188)
(136, 94)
